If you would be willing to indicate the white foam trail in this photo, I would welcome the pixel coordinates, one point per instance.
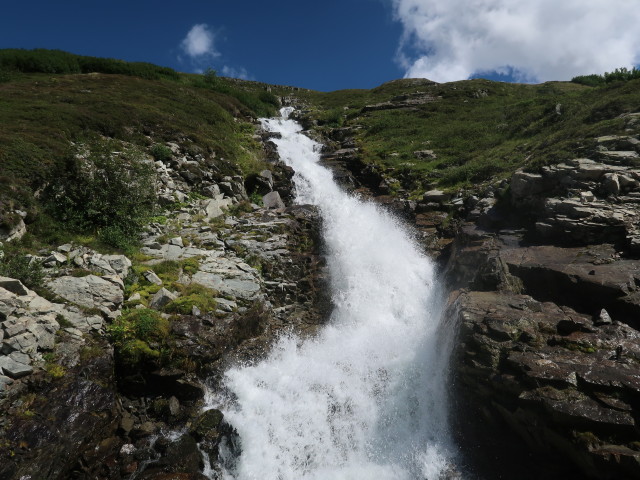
(366, 398)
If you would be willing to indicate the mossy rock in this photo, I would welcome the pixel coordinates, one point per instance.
(193, 295)
(207, 425)
(138, 335)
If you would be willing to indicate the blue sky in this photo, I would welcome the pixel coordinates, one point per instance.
(325, 46)
(341, 43)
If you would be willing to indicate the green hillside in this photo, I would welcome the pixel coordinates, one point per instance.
(476, 129)
(54, 104)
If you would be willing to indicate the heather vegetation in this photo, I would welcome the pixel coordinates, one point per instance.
(477, 130)
(618, 75)
(54, 104)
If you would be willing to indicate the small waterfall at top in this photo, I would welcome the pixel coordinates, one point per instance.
(365, 398)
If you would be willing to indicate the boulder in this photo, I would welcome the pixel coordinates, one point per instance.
(16, 232)
(90, 291)
(272, 200)
(161, 298)
(216, 207)
(436, 196)
(13, 369)
(13, 286)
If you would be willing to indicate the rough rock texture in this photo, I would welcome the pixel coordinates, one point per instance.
(546, 293)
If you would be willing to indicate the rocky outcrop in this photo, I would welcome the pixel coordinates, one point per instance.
(554, 331)
(88, 395)
(546, 295)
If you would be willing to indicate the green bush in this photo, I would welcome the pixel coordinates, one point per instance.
(161, 152)
(20, 267)
(138, 334)
(110, 190)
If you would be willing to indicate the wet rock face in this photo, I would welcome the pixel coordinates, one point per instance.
(79, 411)
(556, 381)
(548, 359)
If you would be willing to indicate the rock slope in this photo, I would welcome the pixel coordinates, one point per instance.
(90, 392)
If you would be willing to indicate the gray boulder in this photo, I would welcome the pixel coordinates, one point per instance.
(161, 298)
(13, 286)
(14, 369)
(272, 200)
(90, 291)
(151, 277)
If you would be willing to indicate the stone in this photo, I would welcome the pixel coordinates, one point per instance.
(268, 177)
(207, 424)
(14, 327)
(127, 423)
(176, 241)
(66, 248)
(146, 429)
(14, 233)
(272, 200)
(25, 342)
(55, 258)
(5, 382)
(14, 369)
(436, 196)
(161, 298)
(587, 197)
(216, 207)
(182, 456)
(604, 318)
(174, 406)
(90, 291)
(119, 263)
(425, 154)
(151, 277)
(611, 183)
(588, 169)
(20, 358)
(134, 298)
(13, 286)
(226, 305)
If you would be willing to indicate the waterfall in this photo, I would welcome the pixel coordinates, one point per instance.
(366, 397)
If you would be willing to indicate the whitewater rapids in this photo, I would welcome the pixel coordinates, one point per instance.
(365, 398)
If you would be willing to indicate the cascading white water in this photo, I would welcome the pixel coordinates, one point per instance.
(366, 398)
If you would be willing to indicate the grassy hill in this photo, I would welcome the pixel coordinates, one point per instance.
(53, 104)
(478, 129)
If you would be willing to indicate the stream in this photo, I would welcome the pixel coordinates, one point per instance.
(366, 398)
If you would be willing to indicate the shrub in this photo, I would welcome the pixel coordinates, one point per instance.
(618, 75)
(58, 61)
(193, 295)
(210, 76)
(137, 334)
(161, 152)
(104, 191)
(22, 268)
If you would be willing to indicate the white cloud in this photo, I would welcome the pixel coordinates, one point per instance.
(199, 42)
(239, 72)
(536, 40)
